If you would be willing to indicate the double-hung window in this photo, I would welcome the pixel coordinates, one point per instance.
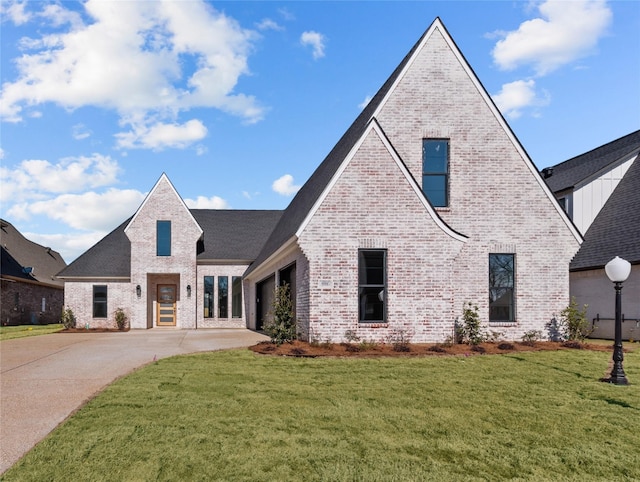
(236, 297)
(435, 171)
(163, 238)
(372, 285)
(99, 301)
(502, 287)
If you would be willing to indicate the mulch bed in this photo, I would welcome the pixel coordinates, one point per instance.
(305, 349)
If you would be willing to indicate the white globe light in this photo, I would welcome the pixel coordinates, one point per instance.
(618, 269)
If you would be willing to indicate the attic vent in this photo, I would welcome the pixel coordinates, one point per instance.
(27, 270)
(547, 172)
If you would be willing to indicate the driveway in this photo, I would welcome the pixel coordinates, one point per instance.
(46, 378)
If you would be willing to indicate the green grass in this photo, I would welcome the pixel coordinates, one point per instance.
(233, 415)
(11, 332)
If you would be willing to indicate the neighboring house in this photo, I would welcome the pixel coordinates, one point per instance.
(601, 192)
(30, 292)
(427, 202)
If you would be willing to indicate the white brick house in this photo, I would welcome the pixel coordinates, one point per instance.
(428, 201)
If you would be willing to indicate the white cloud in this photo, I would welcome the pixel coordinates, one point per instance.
(518, 95)
(91, 64)
(32, 179)
(69, 245)
(365, 102)
(89, 211)
(80, 132)
(268, 24)
(1, 153)
(160, 136)
(566, 31)
(285, 185)
(15, 11)
(316, 41)
(202, 202)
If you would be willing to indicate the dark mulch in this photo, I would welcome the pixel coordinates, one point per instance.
(305, 349)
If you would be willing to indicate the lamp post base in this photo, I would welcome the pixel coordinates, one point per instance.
(616, 379)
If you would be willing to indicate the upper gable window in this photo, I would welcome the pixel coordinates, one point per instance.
(435, 171)
(163, 238)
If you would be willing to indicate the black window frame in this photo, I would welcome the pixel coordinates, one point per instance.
(370, 290)
(236, 297)
(163, 238)
(100, 306)
(223, 297)
(208, 292)
(499, 283)
(429, 172)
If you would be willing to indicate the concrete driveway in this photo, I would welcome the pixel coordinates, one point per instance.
(46, 378)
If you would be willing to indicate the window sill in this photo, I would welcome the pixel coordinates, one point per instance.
(503, 323)
(373, 324)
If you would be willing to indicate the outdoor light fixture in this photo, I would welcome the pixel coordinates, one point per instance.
(618, 271)
(189, 291)
(138, 291)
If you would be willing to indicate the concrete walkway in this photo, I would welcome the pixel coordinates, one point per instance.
(46, 378)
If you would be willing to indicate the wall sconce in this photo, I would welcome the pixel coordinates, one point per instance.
(138, 291)
(189, 291)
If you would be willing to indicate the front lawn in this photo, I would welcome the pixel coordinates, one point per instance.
(10, 332)
(235, 415)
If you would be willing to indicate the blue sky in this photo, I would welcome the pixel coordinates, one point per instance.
(238, 102)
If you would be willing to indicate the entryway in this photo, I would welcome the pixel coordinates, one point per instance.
(166, 314)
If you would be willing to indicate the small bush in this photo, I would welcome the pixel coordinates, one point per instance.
(350, 347)
(68, 318)
(281, 326)
(477, 348)
(574, 322)
(530, 337)
(368, 345)
(506, 346)
(399, 339)
(121, 319)
(437, 349)
(471, 331)
(351, 336)
(573, 344)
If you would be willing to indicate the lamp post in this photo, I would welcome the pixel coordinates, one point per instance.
(618, 271)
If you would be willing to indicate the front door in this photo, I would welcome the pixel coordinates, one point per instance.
(166, 305)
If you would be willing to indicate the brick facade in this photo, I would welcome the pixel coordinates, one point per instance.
(30, 303)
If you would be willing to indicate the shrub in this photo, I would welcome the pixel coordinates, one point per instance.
(530, 337)
(68, 318)
(366, 345)
(437, 349)
(505, 346)
(471, 331)
(399, 339)
(121, 319)
(351, 336)
(281, 326)
(573, 322)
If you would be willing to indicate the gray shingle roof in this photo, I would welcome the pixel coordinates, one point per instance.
(108, 258)
(19, 253)
(232, 235)
(570, 173)
(616, 229)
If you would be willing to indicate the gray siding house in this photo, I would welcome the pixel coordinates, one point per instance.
(395, 231)
(600, 190)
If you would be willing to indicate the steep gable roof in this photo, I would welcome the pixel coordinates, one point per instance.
(616, 229)
(24, 259)
(307, 197)
(572, 172)
(229, 236)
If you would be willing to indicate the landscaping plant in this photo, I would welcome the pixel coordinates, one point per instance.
(121, 319)
(281, 326)
(573, 322)
(68, 318)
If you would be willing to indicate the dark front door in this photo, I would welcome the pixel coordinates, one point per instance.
(265, 291)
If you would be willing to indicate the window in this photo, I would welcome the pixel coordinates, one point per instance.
(435, 171)
(236, 297)
(501, 287)
(163, 238)
(372, 279)
(223, 296)
(99, 301)
(208, 296)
